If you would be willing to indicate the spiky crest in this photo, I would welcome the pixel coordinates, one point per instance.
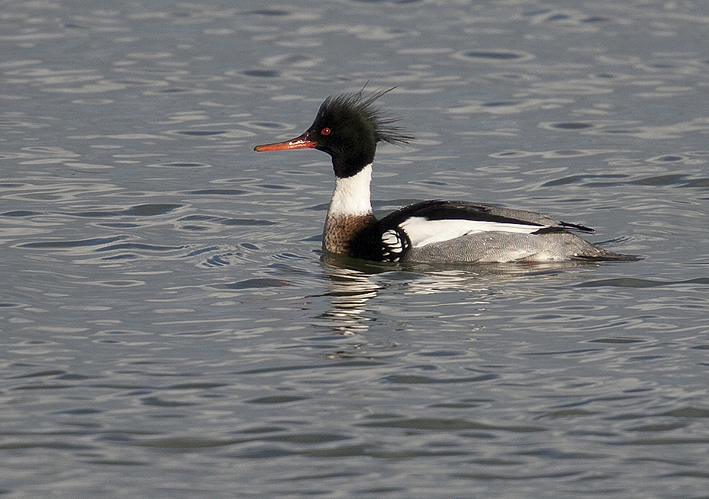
(343, 108)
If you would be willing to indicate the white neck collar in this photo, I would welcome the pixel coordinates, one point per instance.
(352, 195)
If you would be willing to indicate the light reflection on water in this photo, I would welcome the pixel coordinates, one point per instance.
(170, 328)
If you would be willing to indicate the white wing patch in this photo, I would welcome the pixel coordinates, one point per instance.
(422, 231)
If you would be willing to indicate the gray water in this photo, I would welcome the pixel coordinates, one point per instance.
(170, 328)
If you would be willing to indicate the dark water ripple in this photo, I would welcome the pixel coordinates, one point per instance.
(625, 282)
(146, 210)
(70, 244)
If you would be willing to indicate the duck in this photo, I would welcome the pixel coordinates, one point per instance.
(348, 127)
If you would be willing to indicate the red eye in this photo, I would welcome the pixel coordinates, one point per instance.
(325, 131)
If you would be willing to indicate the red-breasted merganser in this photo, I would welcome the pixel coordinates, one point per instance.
(348, 128)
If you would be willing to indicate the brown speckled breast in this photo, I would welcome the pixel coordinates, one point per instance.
(340, 230)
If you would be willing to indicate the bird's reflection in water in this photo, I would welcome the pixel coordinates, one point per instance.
(354, 282)
(351, 287)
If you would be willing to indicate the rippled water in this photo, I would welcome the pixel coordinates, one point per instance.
(170, 329)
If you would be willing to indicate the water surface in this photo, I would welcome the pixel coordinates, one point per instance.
(170, 328)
